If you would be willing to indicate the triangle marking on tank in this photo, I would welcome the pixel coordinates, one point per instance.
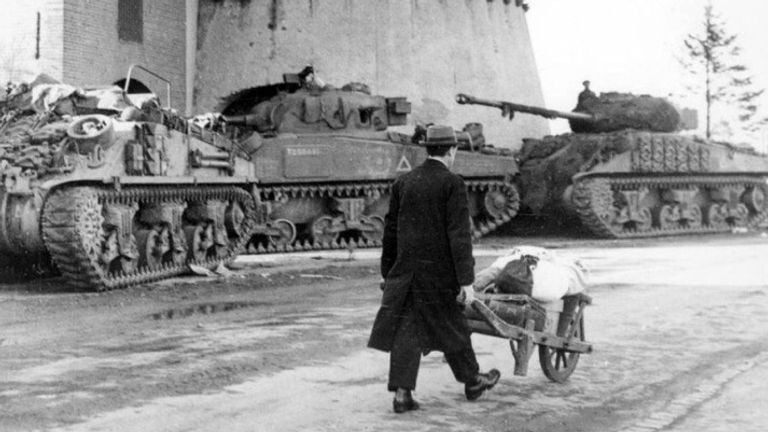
(403, 165)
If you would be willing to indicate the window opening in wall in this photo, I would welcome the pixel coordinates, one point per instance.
(130, 20)
(138, 92)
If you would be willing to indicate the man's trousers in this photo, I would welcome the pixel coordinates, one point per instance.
(405, 356)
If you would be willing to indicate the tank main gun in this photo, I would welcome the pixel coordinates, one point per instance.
(508, 109)
(610, 112)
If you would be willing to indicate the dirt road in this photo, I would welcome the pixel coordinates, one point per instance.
(678, 328)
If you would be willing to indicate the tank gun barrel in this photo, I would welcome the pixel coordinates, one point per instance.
(241, 120)
(508, 109)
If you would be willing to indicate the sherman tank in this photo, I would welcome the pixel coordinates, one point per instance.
(626, 171)
(115, 190)
(325, 158)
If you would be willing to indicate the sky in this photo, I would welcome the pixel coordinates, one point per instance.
(633, 46)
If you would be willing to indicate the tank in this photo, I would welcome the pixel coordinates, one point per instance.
(325, 158)
(640, 181)
(113, 189)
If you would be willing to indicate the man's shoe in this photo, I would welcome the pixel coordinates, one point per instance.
(482, 383)
(407, 404)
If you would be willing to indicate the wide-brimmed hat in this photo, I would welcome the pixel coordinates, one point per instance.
(440, 136)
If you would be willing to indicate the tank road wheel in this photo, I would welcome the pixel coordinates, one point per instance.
(500, 205)
(281, 232)
(178, 245)
(112, 259)
(669, 217)
(494, 204)
(233, 218)
(322, 231)
(716, 216)
(119, 254)
(754, 198)
(623, 221)
(558, 364)
(644, 221)
(153, 247)
(693, 216)
(738, 216)
(199, 241)
(376, 233)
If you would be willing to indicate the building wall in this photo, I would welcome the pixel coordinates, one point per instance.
(21, 56)
(427, 50)
(94, 55)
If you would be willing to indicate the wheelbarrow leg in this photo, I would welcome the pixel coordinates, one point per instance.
(522, 349)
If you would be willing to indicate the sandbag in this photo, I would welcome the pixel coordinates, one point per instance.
(517, 276)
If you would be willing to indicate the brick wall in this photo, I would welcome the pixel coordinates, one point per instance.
(427, 50)
(94, 55)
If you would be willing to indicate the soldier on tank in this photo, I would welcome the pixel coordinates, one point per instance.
(586, 98)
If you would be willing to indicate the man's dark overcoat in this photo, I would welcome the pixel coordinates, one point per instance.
(427, 252)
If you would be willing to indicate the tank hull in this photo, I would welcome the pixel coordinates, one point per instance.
(644, 184)
(326, 157)
(333, 191)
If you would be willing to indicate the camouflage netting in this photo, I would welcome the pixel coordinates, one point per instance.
(618, 111)
(547, 166)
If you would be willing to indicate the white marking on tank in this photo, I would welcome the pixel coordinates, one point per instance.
(403, 165)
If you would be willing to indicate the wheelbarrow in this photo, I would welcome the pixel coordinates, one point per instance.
(561, 341)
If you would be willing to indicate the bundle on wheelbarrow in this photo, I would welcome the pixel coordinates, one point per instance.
(524, 322)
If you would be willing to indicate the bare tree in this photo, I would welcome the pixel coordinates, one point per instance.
(712, 58)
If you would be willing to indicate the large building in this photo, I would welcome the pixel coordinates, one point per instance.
(93, 42)
(427, 50)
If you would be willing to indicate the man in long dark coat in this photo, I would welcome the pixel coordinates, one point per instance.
(427, 266)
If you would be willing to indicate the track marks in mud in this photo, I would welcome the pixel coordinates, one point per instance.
(677, 409)
(205, 309)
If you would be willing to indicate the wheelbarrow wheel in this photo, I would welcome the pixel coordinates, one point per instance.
(558, 364)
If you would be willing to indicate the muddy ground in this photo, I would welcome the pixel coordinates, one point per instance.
(678, 327)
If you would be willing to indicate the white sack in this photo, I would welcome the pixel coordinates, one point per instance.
(550, 281)
(575, 273)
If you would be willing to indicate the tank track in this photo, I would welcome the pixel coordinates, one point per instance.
(72, 231)
(72, 225)
(593, 199)
(481, 225)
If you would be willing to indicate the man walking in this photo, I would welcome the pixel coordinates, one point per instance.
(427, 265)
